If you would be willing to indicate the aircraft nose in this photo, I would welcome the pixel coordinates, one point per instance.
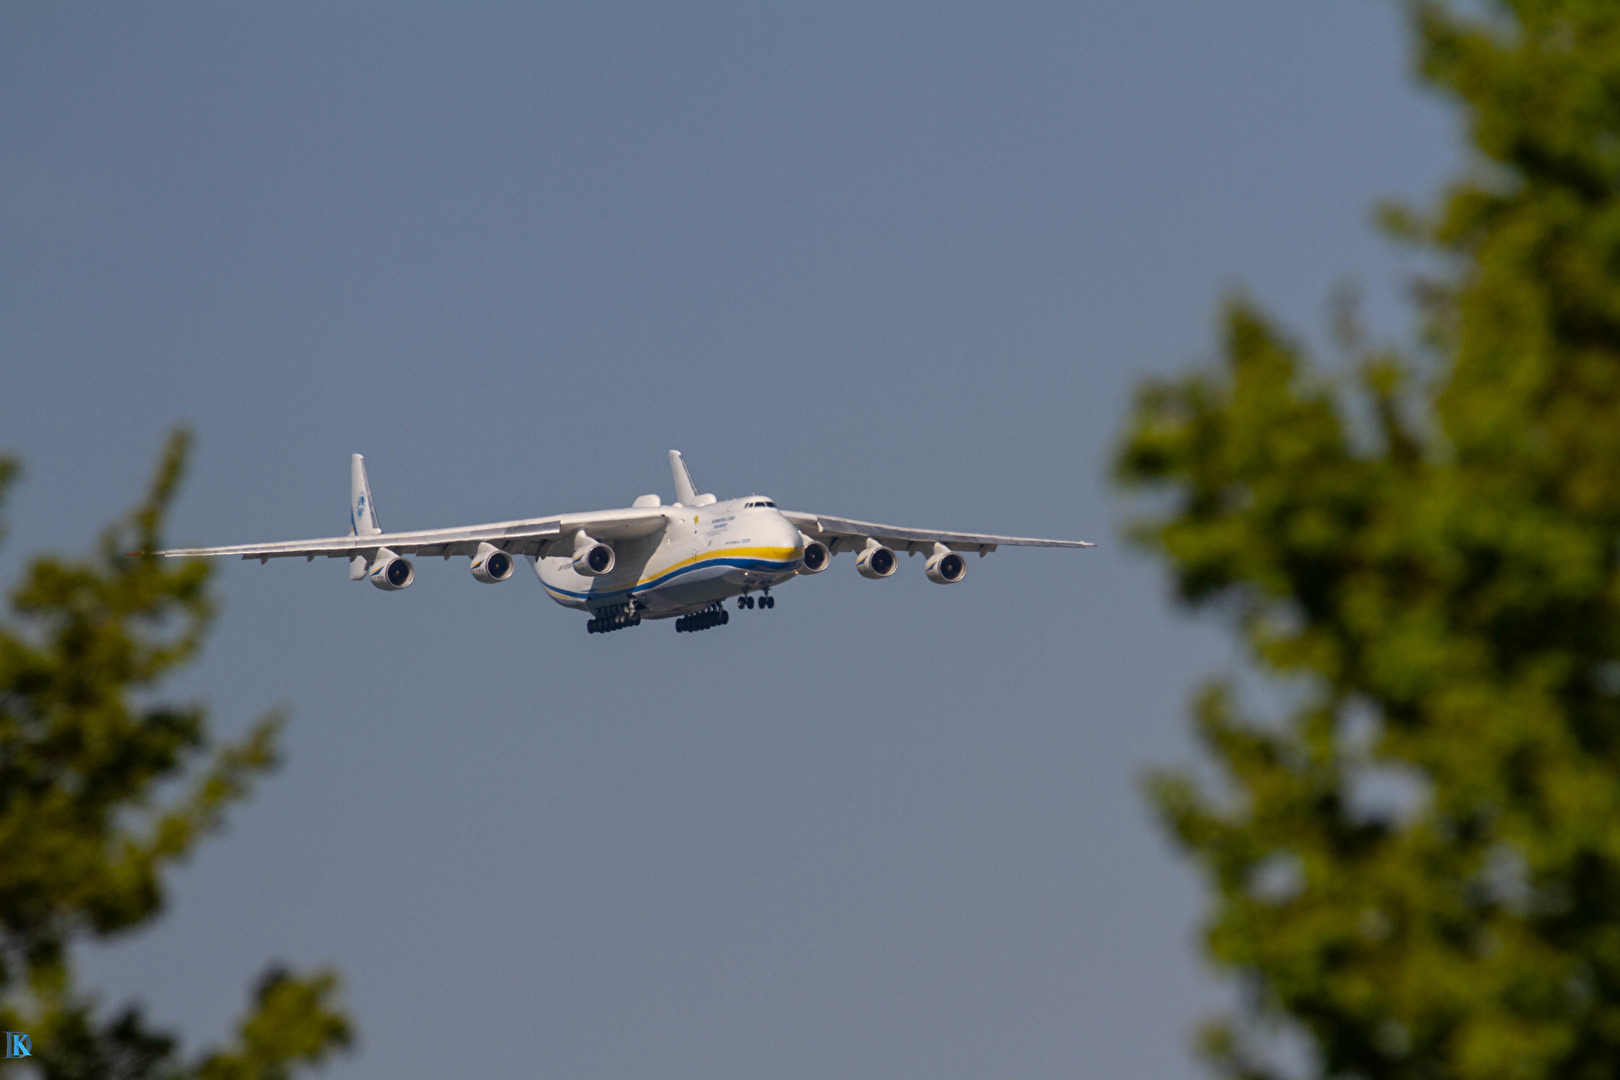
(790, 537)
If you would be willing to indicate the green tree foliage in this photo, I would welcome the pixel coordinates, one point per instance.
(85, 753)
(1423, 552)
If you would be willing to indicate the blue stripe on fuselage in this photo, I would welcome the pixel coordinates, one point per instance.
(766, 565)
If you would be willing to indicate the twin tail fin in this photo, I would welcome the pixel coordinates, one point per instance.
(362, 512)
(686, 492)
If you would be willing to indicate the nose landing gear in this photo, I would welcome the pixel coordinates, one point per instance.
(745, 601)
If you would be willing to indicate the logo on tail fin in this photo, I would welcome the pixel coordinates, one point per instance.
(362, 507)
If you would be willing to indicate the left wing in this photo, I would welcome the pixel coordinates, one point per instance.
(532, 536)
(844, 534)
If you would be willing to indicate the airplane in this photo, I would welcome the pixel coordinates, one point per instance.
(647, 561)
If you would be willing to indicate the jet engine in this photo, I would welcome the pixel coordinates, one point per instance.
(490, 564)
(816, 556)
(591, 557)
(944, 566)
(875, 560)
(389, 572)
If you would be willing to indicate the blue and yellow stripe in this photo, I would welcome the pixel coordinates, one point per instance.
(769, 560)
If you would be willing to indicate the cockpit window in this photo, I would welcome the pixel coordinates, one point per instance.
(758, 502)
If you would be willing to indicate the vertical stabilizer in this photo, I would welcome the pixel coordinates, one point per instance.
(685, 490)
(362, 512)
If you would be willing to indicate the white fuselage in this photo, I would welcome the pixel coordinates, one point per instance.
(703, 555)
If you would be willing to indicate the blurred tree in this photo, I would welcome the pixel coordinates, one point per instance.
(84, 751)
(1417, 864)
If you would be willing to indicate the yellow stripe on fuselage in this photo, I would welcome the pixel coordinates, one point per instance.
(779, 554)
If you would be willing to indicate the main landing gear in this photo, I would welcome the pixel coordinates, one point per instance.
(702, 620)
(745, 601)
(613, 618)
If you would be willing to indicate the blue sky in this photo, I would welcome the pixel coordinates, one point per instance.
(894, 262)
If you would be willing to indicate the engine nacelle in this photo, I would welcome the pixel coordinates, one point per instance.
(389, 572)
(816, 557)
(591, 557)
(875, 561)
(490, 564)
(944, 566)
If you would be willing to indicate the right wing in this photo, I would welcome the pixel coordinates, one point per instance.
(844, 534)
(534, 536)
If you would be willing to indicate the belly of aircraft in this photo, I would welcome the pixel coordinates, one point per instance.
(688, 586)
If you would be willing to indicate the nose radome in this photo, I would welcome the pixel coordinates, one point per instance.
(789, 534)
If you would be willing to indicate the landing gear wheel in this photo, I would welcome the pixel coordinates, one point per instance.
(714, 615)
(618, 617)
